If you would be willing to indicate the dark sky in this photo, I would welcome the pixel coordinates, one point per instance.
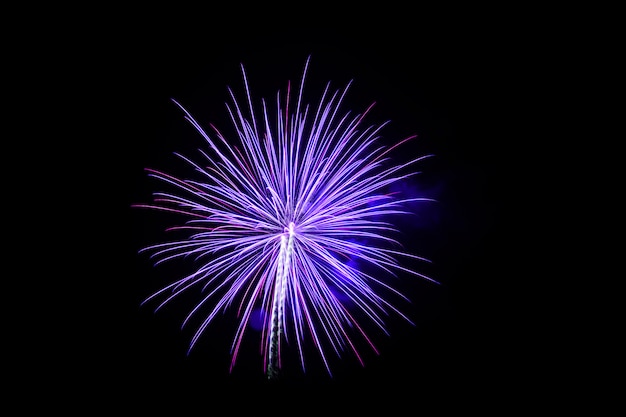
(442, 80)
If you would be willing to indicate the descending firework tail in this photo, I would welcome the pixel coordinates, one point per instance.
(278, 222)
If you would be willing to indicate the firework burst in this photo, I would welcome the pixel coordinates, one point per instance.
(280, 222)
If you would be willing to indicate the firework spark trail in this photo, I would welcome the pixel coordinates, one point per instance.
(277, 222)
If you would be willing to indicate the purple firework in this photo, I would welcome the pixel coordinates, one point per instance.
(280, 223)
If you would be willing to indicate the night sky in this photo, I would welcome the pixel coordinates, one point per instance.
(442, 81)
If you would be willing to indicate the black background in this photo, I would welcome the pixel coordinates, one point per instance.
(447, 78)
